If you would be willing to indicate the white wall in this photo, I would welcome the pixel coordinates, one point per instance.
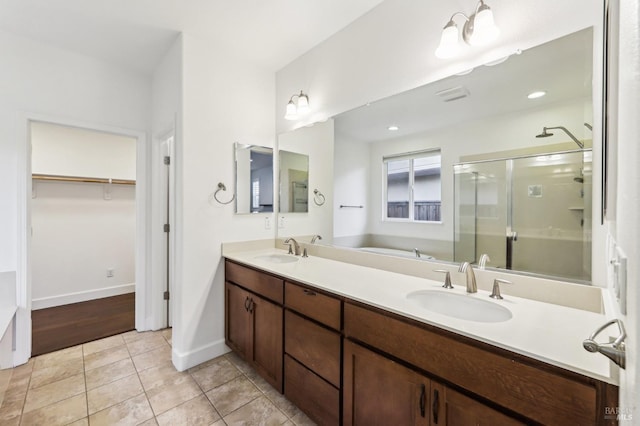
(215, 115)
(45, 82)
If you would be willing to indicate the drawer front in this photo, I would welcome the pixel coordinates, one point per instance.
(317, 398)
(259, 282)
(314, 346)
(310, 303)
(534, 392)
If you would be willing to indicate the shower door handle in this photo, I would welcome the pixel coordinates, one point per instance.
(511, 237)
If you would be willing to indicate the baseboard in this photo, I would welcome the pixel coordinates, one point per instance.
(81, 296)
(183, 361)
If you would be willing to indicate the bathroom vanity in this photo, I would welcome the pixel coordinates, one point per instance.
(347, 346)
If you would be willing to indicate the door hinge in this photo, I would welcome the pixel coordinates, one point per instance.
(166, 295)
(167, 160)
(167, 227)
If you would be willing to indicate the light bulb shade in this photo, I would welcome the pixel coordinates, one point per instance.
(449, 42)
(303, 103)
(484, 27)
(292, 111)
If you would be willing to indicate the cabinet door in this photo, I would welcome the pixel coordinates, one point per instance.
(451, 408)
(238, 321)
(267, 339)
(378, 391)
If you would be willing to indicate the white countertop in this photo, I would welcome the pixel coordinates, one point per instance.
(543, 331)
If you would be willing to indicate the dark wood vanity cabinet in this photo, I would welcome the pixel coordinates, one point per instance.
(313, 347)
(254, 323)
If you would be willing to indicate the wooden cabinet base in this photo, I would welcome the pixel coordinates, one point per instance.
(317, 398)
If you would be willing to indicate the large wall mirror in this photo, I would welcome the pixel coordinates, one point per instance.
(254, 179)
(515, 166)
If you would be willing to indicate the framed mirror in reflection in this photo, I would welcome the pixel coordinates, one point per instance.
(294, 182)
(536, 191)
(254, 179)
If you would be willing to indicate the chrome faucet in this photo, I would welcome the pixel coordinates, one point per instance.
(484, 258)
(315, 238)
(417, 252)
(471, 277)
(296, 246)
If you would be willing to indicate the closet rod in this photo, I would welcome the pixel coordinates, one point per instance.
(83, 179)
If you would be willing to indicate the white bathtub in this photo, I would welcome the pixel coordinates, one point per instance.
(395, 252)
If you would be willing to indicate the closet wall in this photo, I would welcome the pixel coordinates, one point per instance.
(82, 232)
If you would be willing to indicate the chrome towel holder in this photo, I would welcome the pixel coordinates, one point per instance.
(615, 350)
(318, 197)
(222, 187)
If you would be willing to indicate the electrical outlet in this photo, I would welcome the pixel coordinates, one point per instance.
(267, 222)
(281, 222)
(109, 272)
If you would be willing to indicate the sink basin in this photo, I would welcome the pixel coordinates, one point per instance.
(278, 258)
(460, 306)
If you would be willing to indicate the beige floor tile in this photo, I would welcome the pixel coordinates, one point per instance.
(61, 356)
(54, 392)
(5, 378)
(60, 413)
(215, 374)
(151, 422)
(233, 395)
(109, 373)
(81, 422)
(261, 383)
(134, 335)
(280, 401)
(11, 409)
(172, 394)
(105, 357)
(301, 419)
(238, 362)
(113, 393)
(146, 344)
(46, 375)
(219, 423)
(152, 358)
(197, 411)
(130, 412)
(167, 333)
(159, 375)
(102, 344)
(260, 411)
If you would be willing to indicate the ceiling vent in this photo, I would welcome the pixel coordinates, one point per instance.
(453, 93)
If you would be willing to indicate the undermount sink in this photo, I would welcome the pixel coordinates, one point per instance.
(277, 258)
(460, 306)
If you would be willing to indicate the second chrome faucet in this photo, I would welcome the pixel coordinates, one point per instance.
(470, 275)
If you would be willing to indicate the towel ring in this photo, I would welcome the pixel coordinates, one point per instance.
(318, 197)
(222, 187)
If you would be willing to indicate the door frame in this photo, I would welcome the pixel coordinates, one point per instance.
(143, 204)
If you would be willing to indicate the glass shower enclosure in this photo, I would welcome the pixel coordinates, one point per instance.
(529, 213)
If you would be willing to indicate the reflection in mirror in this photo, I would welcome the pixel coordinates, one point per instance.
(294, 182)
(254, 179)
(480, 118)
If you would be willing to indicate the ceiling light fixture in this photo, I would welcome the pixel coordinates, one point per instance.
(298, 106)
(393, 128)
(479, 29)
(536, 95)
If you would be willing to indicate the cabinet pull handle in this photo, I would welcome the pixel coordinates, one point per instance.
(435, 405)
(246, 304)
(309, 292)
(251, 305)
(422, 400)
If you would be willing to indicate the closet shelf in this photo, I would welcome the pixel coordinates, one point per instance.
(60, 178)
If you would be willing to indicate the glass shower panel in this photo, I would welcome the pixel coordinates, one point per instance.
(549, 195)
(481, 215)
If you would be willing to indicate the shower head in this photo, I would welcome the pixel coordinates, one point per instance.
(545, 134)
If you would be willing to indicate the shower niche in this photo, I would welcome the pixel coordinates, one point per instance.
(530, 213)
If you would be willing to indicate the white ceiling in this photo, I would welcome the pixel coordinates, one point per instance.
(136, 33)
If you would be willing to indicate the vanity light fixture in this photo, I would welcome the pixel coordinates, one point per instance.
(298, 104)
(479, 29)
(536, 95)
(393, 128)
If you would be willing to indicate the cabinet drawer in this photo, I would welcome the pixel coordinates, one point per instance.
(317, 398)
(314, 346)
(310, 303)
(263, 284)
(534, 392)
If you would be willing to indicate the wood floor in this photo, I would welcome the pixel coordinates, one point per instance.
(69, 325)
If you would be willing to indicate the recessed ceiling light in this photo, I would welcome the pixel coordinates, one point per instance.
(535, 95)
(393, 128)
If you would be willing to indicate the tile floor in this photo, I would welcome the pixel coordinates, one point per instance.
(128, 379)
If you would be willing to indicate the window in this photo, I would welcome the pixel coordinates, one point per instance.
(413, 186)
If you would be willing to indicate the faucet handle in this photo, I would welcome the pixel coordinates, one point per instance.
(447, 277)
(495, 293)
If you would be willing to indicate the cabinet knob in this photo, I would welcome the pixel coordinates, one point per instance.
(309, 292)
